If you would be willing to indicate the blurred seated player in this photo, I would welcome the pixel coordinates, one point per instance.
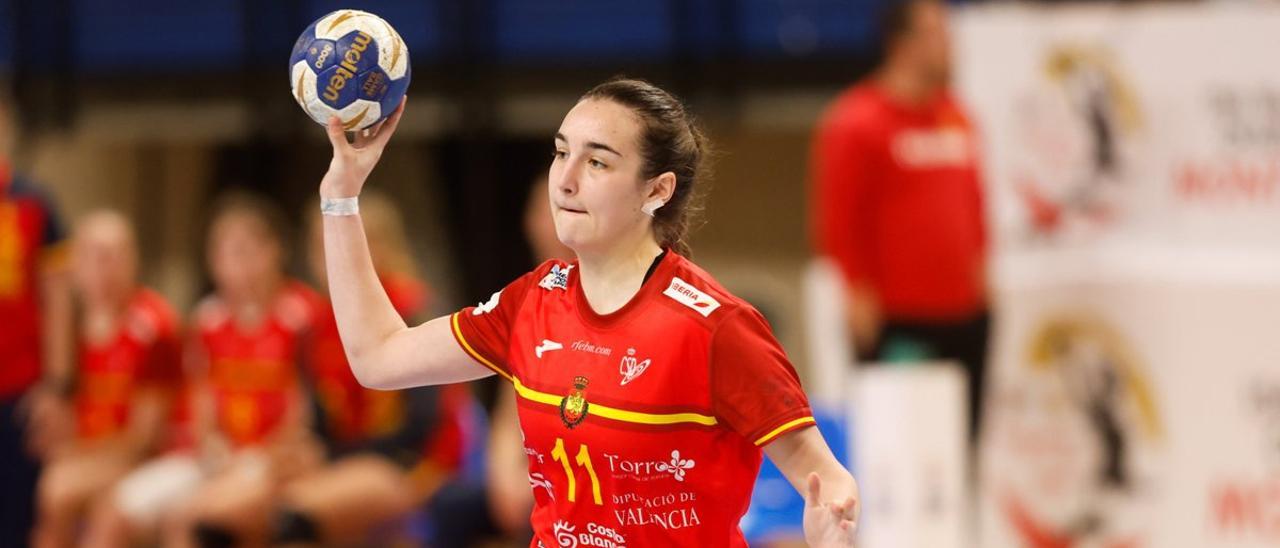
(248, 410)
(390, 450)
(128, 363)
(35, 338)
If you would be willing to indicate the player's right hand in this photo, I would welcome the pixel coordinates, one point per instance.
(352, 162)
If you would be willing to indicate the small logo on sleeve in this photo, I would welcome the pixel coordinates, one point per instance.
(687, 295)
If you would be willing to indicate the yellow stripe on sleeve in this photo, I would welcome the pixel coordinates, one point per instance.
(466, 347)
(785, 427)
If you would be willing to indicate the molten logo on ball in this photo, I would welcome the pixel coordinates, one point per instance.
(347, 70)
(352, 65)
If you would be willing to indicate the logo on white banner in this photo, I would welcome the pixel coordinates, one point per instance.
(1077, 425)
(1078, 132)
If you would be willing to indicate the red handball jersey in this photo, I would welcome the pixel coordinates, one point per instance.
(353, 412)
(254, 372)
(145, 351)
(31, 241)
(898, 203)
(643, 427)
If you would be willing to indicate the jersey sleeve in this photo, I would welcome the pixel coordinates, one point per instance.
(483, 330)
(754, 389)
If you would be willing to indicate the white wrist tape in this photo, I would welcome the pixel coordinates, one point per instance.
(339, 206)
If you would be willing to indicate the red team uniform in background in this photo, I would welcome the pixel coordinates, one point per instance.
(898, 206)
(144, 353)
(898, 203)
(643, 427)
(354, 415)
(255, 372)
(31, 241)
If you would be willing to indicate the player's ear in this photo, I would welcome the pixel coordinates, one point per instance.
(661, 188)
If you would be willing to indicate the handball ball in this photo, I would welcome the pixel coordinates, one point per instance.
(350, 64)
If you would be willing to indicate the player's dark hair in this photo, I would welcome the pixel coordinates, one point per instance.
(670, 140)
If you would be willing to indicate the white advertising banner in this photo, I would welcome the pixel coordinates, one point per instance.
(911, 434)
(1132, 161)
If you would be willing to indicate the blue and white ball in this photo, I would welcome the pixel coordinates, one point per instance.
(350, 64)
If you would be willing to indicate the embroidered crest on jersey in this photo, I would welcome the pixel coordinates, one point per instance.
(488, 306)
(573, 408)
(630, 368)
(558, 278)
(687, 295)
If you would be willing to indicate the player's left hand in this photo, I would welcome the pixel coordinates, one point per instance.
(828, 524)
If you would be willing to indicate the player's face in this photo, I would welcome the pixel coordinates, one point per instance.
(595, 181)
(931, 40)
(104, 260)
(243, 256)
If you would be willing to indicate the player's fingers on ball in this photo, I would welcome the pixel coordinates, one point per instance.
(373, 130)
(388, 127)
(337, 137)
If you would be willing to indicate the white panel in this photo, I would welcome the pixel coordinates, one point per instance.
(371, 112)
(341, 22)
(911, 452)
(302, 83)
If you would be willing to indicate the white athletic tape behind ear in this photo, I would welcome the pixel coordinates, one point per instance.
(649, 208)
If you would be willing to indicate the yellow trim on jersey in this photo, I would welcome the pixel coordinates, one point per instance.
(615, 413)
(776, 431)
(466, 347)
(595, 409)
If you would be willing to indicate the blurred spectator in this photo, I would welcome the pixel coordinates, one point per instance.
(35, 339)
(248, 410)
(898, 203)
(129, 354)
(391, 449)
